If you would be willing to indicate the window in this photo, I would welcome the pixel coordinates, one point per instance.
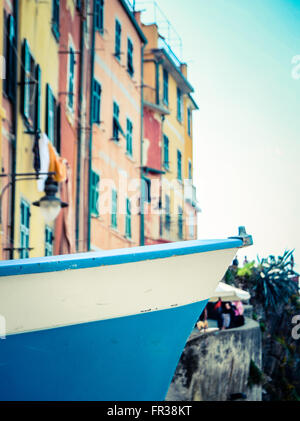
(31, 88)
(10, 60)
(114, 207)
(116, 124)
(118, 40)
(96, 102)
(179, 175)
(95, 179)
(52, 118)
(166, 151)
(189, 121)
(165, 86)
(179, 105)
(129, 137)
(128, 219)
(55, 18)
(130, 57)
(48, 241)
(71, 78)
(191, 225)
(167, 210)
(147, 189)
(24, 229)
(180, 223)
(99, 15)
(190, 170)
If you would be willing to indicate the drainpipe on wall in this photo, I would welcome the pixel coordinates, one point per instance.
(142, 220)
(77, 218)
(14, 140)
(91, 131)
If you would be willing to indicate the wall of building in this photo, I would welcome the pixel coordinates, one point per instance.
(215, 365)
(116, 168)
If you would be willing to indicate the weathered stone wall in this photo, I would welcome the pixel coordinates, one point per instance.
(216, 364)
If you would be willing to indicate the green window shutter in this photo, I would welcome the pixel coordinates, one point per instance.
(95, 179)
(189, 120)
(190, 170)
(99, 15)
(38, 99)
(50, 114)
(180, 222)
(179, 105)
(179, 174)
(130, 68)
(114, 206)
(165, 86)
(55, 18)
(129, 138)
(9, 83)
(25, 79)
(118, 30)
(166, 152)
(96, 103)
(128, 219)
(48, 241)
(24, 229)
(71, 78)
(167, 211)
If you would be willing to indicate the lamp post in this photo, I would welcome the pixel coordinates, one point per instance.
(49, 204)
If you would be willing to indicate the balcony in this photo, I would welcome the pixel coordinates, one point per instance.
(190, 193)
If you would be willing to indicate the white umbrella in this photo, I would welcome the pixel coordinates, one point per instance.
(229, 293)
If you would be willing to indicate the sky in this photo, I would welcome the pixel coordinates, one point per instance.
(243, 61)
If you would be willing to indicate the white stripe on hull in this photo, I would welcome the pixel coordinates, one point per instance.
(52, 299)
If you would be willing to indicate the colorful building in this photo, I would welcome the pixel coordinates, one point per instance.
(101, 93)
(8, 133)
(116, 122)
(167, 150)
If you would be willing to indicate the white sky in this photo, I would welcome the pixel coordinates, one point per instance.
(247, 131)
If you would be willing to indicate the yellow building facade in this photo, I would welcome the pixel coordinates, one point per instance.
(37, 71)
(166, 85)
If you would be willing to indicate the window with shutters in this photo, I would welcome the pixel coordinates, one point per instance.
(96, 103)
(71, 78)
(165, 86)
(48, 241)
(30, 89)
(55, 18)
(166, 151)
(189, 121)
(180, 223)
(130, 68)
(10, 59)
(24, 229)
(114, 208)
(52, 118)
(167, 213)
(179, 105)
(118, 30)
(99, 15)
(128, 219)
(179, 166)
(95, 180)
(117, 129)
(129, 137)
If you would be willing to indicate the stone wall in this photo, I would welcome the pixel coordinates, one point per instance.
(215, 365)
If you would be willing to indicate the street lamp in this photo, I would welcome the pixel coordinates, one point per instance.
(49, 204)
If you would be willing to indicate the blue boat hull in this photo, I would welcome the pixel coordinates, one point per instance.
(129, 358)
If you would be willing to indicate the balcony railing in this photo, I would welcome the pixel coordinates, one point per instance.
(190, 193)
